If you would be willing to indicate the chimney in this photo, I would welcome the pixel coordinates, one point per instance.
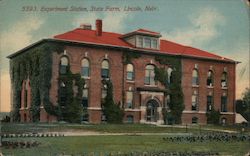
(98, 26)
(85, 26)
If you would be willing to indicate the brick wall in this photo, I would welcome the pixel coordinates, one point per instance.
(121, 85)
(217, 91)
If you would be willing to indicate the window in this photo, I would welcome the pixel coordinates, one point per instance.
(223, 103)
(223, 121)
(147, 43)
(170, 78)
(105, 69)
(224, 79)
(150, 75)
(209, 102)
(130, 119)
(195, 101)
(63, 94)
(129, 99)
(140, 42)
(104, 92)
(154, 43)
(85, 96)
(130, 72)
(195, 79)
(194, 120)
(167, 101)
(25, 95)
(210, 78)
(85, 68)
(63, 65)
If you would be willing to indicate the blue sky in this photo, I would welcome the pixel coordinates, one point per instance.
(218, 26)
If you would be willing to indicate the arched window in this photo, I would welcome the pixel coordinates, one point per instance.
(210, 78)
(64, 62)
(194, 120)
(130, 72)
(25, 94)
(105, 69)
(170, 78)
(85, 68)
(224, 79)
(150, 75)
(195, 78)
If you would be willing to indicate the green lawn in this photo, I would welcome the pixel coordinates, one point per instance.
(79, 145)
(125, 143)
(122, 128)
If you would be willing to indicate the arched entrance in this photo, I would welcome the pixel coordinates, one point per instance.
(152, 114)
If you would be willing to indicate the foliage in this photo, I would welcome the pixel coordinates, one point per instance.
(213, 117)
(128, 56)
(176, 94)
(246, 102)
(70, 106)
(34, 64)
(113, 112)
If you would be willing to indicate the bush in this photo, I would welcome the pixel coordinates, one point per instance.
(213, 117)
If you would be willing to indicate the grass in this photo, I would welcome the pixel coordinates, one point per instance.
(125, 143)
(79, 145)
(122, 128)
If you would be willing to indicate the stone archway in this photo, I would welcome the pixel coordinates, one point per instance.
(151, 111)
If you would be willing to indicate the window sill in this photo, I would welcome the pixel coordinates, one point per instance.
(195, 86)
(210, 87)
(150, 85)
(86, 78)
(224, 88)
(130, 81)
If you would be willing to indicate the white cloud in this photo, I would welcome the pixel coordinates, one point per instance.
(13, 39)
(203, 28)
(111, 22)
(20, 34)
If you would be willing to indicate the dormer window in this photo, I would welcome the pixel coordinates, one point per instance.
(142, 38)
(147, 43)
(154, 43)
(140, 42)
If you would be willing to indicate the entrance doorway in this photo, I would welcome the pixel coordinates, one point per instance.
(152, 114)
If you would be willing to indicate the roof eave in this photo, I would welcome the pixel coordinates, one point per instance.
(116, 46)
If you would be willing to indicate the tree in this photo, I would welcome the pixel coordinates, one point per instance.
(113, 112)
(246, 102)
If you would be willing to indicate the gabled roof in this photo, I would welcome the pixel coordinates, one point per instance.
(142, 32)
(115, 39)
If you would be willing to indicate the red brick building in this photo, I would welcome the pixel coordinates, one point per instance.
(207, 80)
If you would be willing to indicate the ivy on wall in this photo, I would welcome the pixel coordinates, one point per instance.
(128, 56)
(35, 64)
(176, 95)
(114, 114)
(71, 87)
